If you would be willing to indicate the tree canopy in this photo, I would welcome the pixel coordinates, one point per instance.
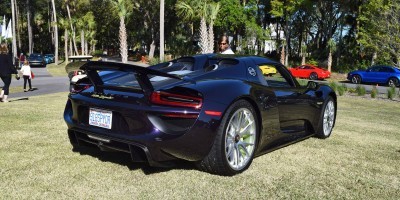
(339, 33)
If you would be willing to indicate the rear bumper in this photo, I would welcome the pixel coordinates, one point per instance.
(138, 152)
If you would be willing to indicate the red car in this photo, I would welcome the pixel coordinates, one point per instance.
(310, 71)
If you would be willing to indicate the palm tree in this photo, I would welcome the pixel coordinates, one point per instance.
(67, 4)
(213, 12)
(30, 35)
(55, 33)
(14, 38)
(332, 48)
(204, 11)
(122, 8)
(161, 30)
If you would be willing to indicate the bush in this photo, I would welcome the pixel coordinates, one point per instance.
(360, 90)
(391, 92)
(374, 92)
(341, 90)
(302, 82)
(333, 85)
(345, 87)
(154, 61)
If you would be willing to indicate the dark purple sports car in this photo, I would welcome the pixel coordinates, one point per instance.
(218, 111)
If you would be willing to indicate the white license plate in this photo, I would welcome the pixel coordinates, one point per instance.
(100, 118)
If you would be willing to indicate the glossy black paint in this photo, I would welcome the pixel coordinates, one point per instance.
(287, 114)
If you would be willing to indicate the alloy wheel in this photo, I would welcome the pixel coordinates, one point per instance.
(240, 139)
(329, 118)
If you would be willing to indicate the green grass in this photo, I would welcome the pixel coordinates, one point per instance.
(57, 70)
(359, 161)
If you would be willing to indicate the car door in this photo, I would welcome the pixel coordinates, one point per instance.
(385, 74)
(294, 104)
(372, 75)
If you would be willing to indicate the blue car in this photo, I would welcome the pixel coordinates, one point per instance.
(380, 74)
(49, 58)
(36, 59)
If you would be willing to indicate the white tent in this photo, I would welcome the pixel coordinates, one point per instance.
(9, 30)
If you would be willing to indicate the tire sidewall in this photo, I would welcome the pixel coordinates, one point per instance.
(313, 76)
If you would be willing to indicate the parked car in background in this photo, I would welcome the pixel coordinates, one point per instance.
(380, 74)
(311, 72)
(36, 59)
(49, 58)
(268, 70)
(219, 117)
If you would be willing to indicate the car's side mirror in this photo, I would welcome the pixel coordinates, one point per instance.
(312, 85)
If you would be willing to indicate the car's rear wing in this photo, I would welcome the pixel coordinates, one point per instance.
(141, 75)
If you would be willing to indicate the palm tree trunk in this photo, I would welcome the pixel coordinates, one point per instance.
(161, 30)
(203, 36)
(65, 45)
(330, 61)
(72, 30)
(28, 15)
(14, 38)
(55, 33)
(123, 40)
(83, 43)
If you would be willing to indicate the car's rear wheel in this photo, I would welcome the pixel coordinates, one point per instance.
(235, 142)
(356, 79)
(393, 82)
(327, 120)
(313, 76)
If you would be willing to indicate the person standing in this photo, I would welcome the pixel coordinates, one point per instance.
(6, 70)
(21, 60)
(224, 47)
(27, 75)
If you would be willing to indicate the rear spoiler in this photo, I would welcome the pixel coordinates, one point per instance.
(140, 74)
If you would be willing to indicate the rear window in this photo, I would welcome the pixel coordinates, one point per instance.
(128, 79)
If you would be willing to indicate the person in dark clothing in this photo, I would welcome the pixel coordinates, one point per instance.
(6, 70)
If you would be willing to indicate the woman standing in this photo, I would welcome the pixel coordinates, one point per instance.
(6, 70)
(27, 74)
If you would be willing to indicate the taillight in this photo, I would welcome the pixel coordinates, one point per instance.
(170, 99)
(79, 87)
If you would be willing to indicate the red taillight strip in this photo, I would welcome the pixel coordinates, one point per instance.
(165, 98)
(213, 113)
(181, 115)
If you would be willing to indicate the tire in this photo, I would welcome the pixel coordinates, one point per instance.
(356, 79)
(313, 76)
(327, 120)
(233, 151)
(393, 82)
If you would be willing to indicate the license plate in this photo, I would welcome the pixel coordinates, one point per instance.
(100, 118)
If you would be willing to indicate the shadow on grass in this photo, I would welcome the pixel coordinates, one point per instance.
(125, 159)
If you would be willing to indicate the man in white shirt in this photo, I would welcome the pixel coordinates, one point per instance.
(224, 47)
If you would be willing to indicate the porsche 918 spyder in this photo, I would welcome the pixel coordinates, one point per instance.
(220, 116)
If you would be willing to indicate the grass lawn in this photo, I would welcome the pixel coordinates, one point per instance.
(360, 160)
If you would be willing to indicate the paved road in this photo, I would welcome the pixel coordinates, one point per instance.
(44, 83)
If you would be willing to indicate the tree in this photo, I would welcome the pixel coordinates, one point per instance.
(14, 38)
(122, 8)
(204, 11)
(285, 9)
(161, 30)
(55, 32)
(332, 48)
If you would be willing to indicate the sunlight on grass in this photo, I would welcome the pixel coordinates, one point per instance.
(359, 161)
(57, 70)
